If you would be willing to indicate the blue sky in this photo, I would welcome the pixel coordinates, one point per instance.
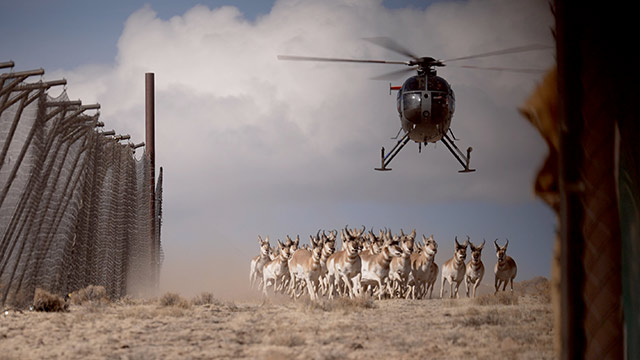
(251, 145)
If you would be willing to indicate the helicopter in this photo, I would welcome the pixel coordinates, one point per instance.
(425, 101)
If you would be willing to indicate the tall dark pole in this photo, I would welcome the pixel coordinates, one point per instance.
(150, 153)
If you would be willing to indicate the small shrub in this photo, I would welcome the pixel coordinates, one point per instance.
(91, 294)
(173, 299)
(46, 301)
(205, 298)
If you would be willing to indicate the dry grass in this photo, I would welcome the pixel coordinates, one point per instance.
(344, 305)
(171, 299)
(283, 329)
(501, 298)
(91, 294)
(46, 301)
(205, 298)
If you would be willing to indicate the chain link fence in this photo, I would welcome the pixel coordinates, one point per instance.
(74, 200)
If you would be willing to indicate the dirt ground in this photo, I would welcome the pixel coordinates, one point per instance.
(517, 326)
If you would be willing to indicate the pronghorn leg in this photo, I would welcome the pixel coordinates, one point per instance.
(348, 286)
(451, 289)
(475, 287)
(466, 286)
(496, 284)
(311, 288)
(511, 281)
(504, 285)
(442, 287)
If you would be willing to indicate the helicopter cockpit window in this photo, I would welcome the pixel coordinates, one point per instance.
(414, 83)
(412, 106)
(436, 83)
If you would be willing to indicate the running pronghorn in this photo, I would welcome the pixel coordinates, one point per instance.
(400, 267)
(375, 268)
(258, 262)
(310, 266)
(505, 269)
(345, 265)
(453, 270)
(305, 265)
(277, 270)
(423, 268)
(475, 268)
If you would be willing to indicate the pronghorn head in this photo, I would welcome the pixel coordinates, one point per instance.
(394, 246)
(316, 253)
(329, 247)
(264, 246)
(501, 252)
(407, 245)
(430, 246)
(285, 252)
(352, 246)
(333, 235)
(476, 251)
(460, 250)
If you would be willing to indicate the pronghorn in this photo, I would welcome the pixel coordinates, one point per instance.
(345, 265)
(305, 265)
(505, 269)
(400, 267)
(375, 268)
(424, 271)
(277, 270)
(475, 268)
(258, 262)
(453, 270)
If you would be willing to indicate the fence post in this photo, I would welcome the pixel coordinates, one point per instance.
(150, 153)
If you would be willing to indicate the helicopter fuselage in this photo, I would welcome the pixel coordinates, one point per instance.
(425, 104)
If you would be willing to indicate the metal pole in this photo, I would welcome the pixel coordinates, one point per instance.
(150, 153)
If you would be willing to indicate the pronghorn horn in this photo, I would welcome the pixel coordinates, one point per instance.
(259, 239)
(413, 233)
(507, 244)
(402, 232)
(483, 241)
(495, 242)
(457, 243)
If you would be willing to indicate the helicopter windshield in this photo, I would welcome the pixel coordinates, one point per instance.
(412, 105)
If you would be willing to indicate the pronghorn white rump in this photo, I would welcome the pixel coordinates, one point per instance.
(505, 269)
(453, 270)
(475, 268)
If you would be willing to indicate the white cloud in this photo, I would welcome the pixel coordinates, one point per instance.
(240, 132)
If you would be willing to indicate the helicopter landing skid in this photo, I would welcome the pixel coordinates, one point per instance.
(386, 159)
(458, 154)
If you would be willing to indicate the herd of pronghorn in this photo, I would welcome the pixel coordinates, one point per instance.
(383, 265)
